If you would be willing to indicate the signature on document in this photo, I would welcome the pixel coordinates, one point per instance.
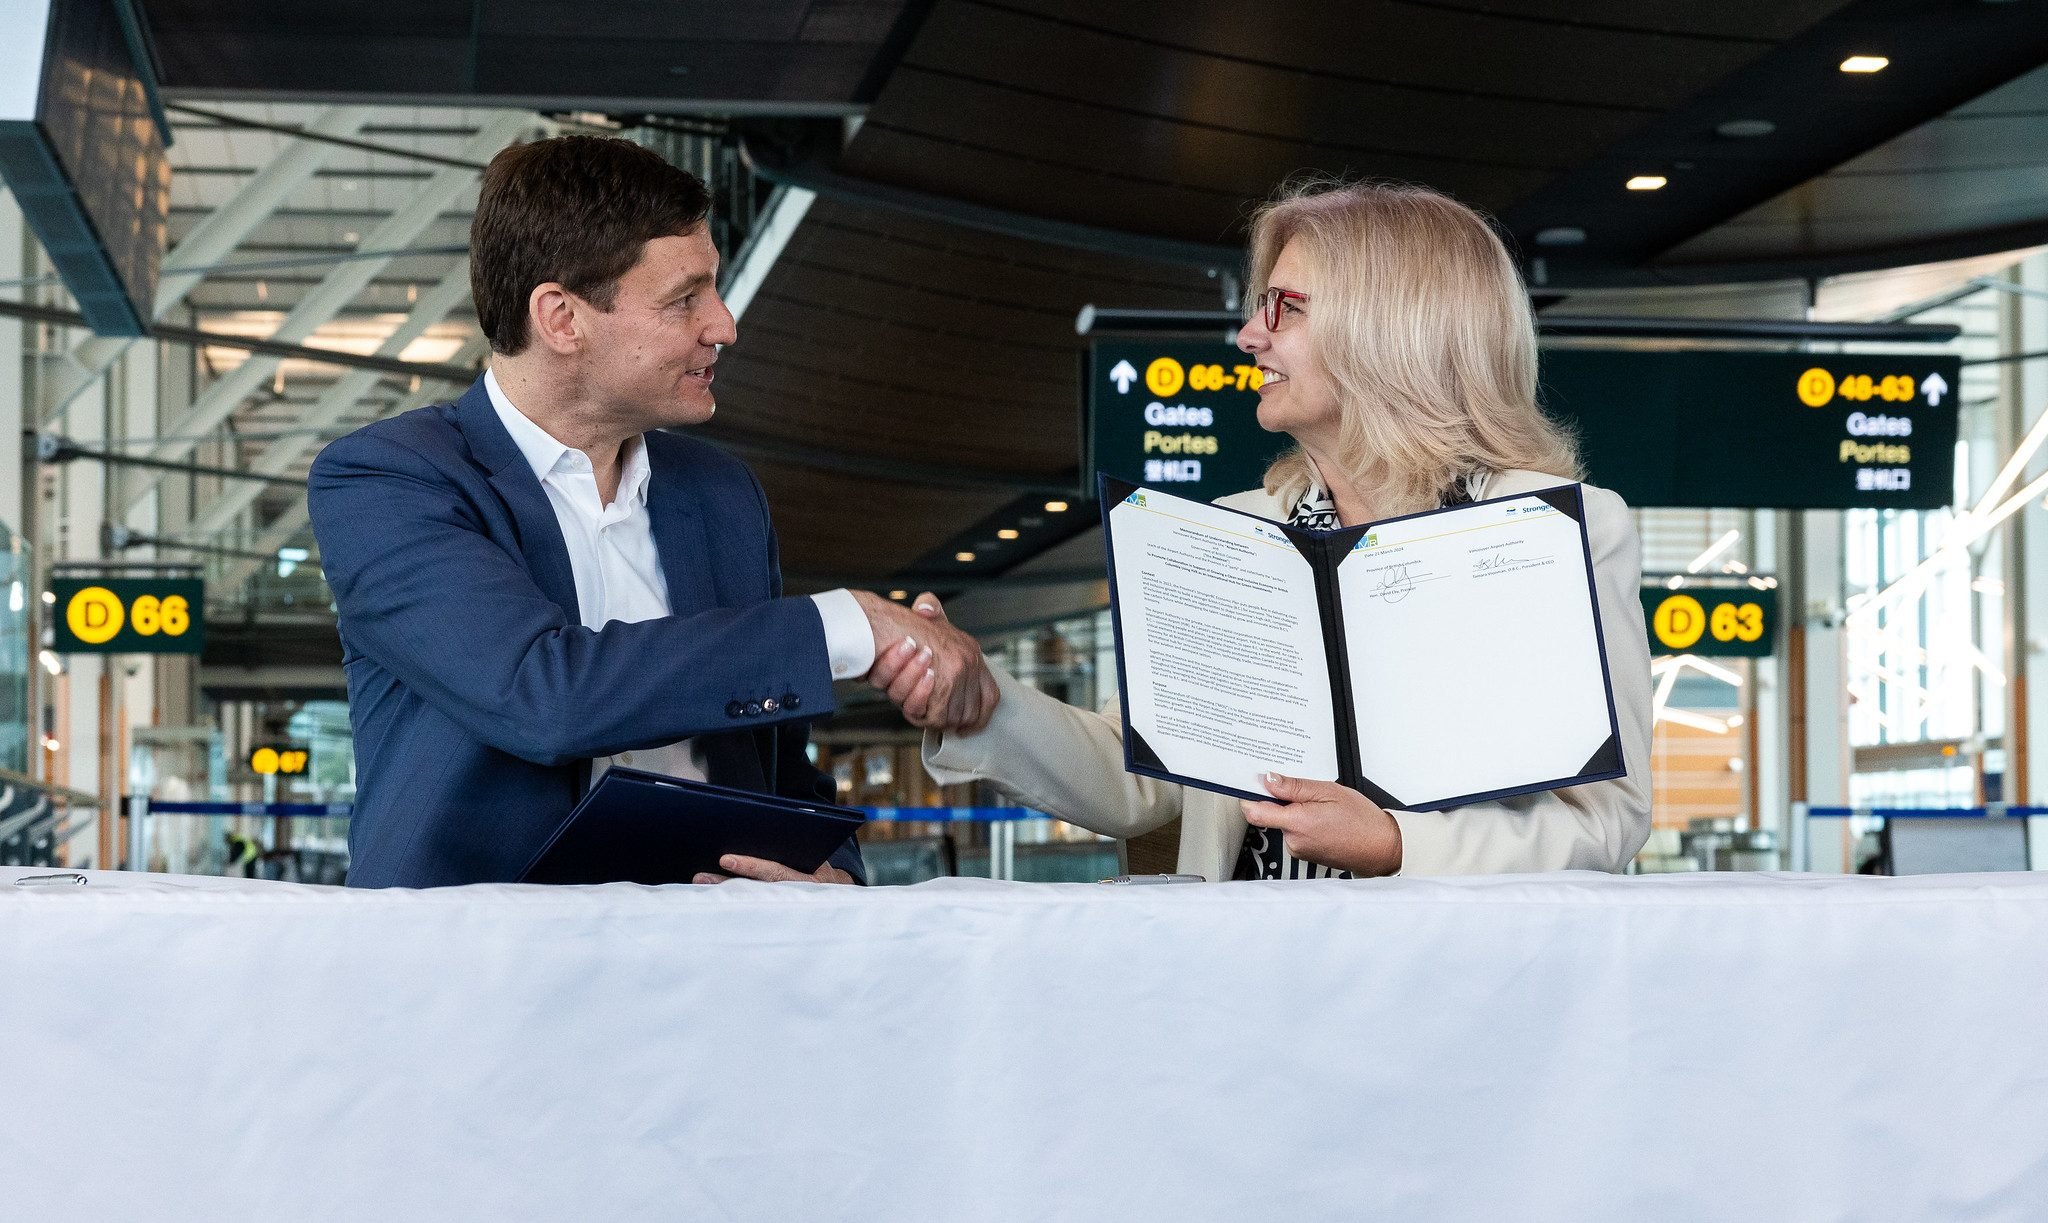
(1396, 583)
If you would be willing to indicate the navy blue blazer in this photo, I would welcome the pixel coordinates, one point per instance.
(476, 695)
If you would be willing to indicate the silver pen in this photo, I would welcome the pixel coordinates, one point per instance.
(34, 881)
(1155, 879)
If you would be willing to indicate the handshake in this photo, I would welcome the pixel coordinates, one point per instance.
(932, 671)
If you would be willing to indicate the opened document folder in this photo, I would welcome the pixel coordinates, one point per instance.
(1428, 661)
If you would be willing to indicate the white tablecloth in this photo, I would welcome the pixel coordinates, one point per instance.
(1569, 1047)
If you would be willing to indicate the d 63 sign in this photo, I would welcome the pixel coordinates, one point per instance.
(1730, 623)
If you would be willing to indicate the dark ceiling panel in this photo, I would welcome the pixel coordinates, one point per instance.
(887, 337)
(824, 54)
(833, 527)
(1425, 46)
(672, 21)
(1769, 20)
(1338, 110)
(1980, 170)
(1167, 121)
(1236, 164)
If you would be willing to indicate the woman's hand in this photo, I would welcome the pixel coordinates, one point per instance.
(1330, 825)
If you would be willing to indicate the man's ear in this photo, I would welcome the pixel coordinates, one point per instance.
(554, 317)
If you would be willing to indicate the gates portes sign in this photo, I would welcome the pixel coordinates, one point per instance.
(1743, 430)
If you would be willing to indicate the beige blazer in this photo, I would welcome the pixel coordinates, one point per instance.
(1069, 762)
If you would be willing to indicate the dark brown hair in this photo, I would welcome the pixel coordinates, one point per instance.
(574, 210)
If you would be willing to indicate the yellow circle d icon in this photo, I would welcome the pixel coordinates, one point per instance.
(1679, 622)
(264, 760)
(1816, 387)
(94, 615)
(1165, 377)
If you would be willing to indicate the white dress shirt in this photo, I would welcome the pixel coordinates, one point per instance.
(618, 572)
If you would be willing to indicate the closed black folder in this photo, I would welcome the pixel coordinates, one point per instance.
(640, 827)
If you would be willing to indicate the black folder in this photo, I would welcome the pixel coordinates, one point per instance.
(641, 827)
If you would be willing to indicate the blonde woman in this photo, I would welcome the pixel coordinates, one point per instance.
(1399, 353)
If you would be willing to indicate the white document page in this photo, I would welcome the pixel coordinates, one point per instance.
(1475, 664)
(1225, 671)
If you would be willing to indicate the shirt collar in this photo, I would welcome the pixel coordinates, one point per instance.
(544, 454)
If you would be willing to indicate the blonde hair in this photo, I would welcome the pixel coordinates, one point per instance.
(1423, 323)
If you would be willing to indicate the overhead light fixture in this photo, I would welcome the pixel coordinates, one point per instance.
(899, 595)
(1006, 533)
(1675, 582)
(1647, 182)
(1561, 235)
(1865, 63)
(49, 596)
(1745, 129)
(963, 557)
(351, 236)
(51, 662)
(1055, 507)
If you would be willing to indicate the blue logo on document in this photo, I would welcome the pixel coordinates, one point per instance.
(1367, 542)
(1135, 499)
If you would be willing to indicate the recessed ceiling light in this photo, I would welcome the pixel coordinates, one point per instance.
(1560, 235)
(1055, 507)
(963, 557)
(1647, 182)
(351, 236)
(1746, 129)
(899, 595)
(1865, 63)
(1006, 533)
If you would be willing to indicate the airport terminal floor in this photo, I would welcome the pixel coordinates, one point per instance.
(928, 609)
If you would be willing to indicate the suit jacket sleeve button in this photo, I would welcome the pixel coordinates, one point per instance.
(753, 709)
(770, 705)
(791, 701)
(734, 709)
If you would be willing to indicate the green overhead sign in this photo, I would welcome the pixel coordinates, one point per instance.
(1739, 622)
(1705, 429)
(98, 615)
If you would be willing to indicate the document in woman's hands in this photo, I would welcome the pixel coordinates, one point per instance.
(1429, 661)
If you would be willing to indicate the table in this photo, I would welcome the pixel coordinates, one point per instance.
(1569, 1047)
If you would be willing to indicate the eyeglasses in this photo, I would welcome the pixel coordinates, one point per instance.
(1269, 304)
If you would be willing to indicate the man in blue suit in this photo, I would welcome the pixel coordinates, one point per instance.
(536, 582)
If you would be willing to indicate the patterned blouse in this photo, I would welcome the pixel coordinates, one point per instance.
(1265, 855)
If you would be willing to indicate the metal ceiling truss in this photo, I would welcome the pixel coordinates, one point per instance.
(334, 403)
(287, 525)
(214, 237)
(341, 286)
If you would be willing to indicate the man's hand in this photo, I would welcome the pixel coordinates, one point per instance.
(743, 867)
(1330, 825)
(932, 671)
